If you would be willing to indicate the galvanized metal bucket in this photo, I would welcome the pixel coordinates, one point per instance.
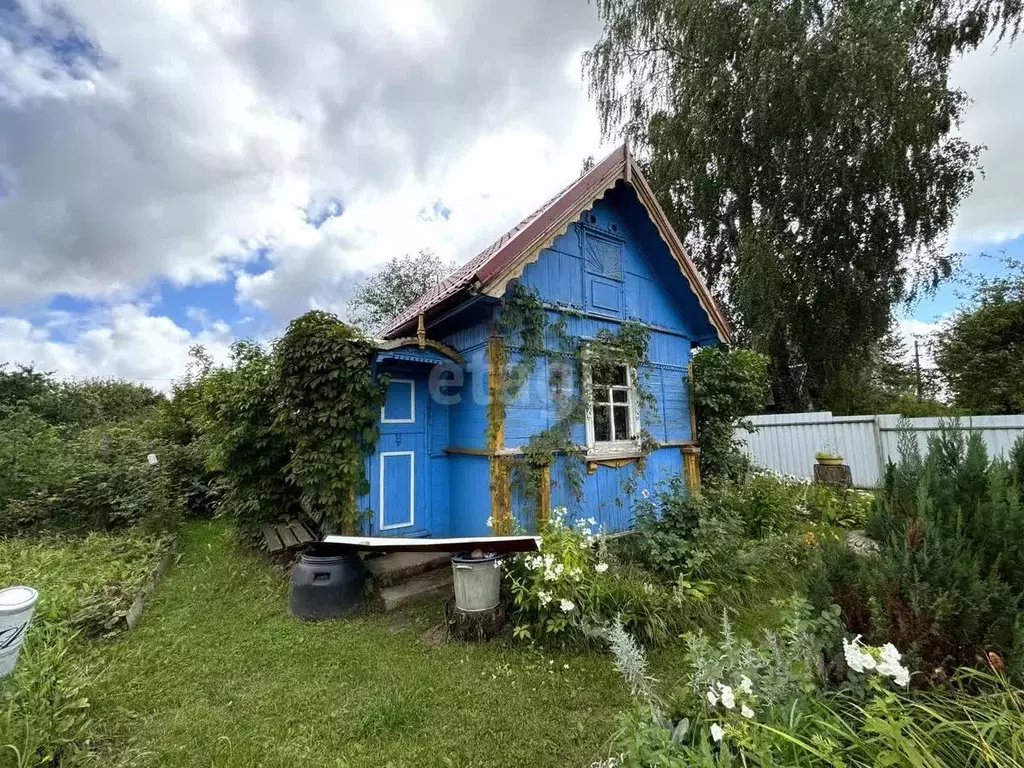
(477, 582)
(16, 607)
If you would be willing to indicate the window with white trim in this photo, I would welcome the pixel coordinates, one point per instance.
(611, 418)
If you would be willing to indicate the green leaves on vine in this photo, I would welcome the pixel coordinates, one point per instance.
(330, 403)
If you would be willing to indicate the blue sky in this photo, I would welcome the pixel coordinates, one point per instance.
(173, 175)
(980, 260)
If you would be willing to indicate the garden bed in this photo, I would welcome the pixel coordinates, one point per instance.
(90, 589)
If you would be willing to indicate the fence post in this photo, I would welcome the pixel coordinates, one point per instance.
(876, 432)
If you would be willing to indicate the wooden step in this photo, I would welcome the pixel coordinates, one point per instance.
(425, 586)
(397, 567)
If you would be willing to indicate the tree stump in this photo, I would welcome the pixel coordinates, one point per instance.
(475, 626)
(833, 475)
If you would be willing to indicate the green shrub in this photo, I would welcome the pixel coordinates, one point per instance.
(948, 584)
(727, 385)
(242, 442)
(736, 535)
(331, 404)
(106, 483)
(31, 454)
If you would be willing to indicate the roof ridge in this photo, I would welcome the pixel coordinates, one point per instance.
(462, 275)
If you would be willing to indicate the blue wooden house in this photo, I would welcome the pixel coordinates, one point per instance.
(601, 253)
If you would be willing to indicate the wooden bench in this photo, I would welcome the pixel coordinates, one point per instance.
(287, 537)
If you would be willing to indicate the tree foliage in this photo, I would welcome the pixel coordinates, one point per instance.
(727, 384)
(330, 404)
(394, 287)
(806, 152)
(980, 351)
(241, 441)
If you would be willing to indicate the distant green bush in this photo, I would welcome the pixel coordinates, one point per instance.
(100, 479)
(736, 533)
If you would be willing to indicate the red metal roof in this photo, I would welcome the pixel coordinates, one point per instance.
(490, 263)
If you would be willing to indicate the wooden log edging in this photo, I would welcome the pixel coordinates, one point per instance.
(158, 572)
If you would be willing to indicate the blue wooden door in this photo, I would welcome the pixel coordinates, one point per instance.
(398, 474)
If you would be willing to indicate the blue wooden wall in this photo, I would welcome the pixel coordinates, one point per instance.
(573, 273)
(649, 288)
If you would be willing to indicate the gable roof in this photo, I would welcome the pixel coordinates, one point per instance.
(490, 270)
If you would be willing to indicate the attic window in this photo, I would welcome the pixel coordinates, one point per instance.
(611, 419)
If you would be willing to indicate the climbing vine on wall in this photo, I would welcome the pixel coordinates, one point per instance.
(330, 402)
(539, 332)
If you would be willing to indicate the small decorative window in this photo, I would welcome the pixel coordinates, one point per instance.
(611, 421)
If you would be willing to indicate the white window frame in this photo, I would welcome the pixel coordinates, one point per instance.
(612, 447)
(412, 404)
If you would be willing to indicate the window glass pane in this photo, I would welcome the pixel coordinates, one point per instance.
(610, 375)
(622, 430)
(602, 424)
(620, 395)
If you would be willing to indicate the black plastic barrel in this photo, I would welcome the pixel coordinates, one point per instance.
(326, 584)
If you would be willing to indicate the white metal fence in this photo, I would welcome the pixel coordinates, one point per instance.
(787, 442)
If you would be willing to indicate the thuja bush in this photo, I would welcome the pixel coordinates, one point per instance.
(948, 583)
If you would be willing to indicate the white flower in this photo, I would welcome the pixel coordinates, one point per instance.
(601, 567)
(566, 605)
(592, 521)
(901, 677)
(717, 732)
(712, 697)
(890, 655)
(890, 666)
(746, 686)
(746, 711)
(728, 700)
(490, 522)
(544, 597)
(857, 659)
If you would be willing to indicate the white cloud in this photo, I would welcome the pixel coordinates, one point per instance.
(201, 131)
(122, 341)
(991, 76)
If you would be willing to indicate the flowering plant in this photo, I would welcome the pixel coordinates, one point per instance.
(551, 588)
(885, 661)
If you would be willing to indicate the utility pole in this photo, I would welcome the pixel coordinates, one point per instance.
(917, 370)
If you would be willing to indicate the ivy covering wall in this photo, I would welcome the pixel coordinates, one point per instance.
(524, 325)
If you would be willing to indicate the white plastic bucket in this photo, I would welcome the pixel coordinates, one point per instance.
(477, 582)
(16, 607)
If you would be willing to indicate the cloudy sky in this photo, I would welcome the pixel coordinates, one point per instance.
(174, 173)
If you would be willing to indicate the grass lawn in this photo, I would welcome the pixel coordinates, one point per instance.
(218, 674)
